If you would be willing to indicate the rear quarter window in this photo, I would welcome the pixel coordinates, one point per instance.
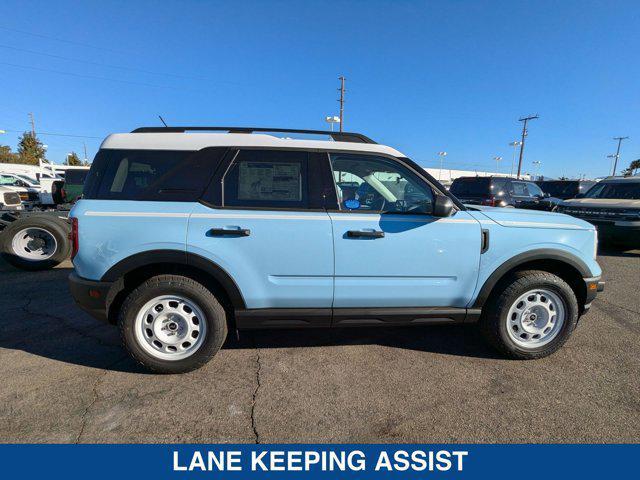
(153, 175)
(470, 186)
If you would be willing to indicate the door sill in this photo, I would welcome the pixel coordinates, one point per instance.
(351, 317)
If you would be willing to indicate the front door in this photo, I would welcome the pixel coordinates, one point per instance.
(272, 237)
(390, 251)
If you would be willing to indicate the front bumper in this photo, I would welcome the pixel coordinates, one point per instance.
(92, 296)
(593, 286)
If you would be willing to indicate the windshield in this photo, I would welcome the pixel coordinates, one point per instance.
(7, 180)
(29, 179)
(621, 191)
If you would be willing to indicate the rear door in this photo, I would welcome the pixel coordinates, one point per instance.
(263, 222)
(390, 251)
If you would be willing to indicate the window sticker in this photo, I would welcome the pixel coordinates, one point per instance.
(269, 181)
(352, 204)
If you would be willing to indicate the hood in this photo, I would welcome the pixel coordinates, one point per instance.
(519, 218)
(601, 202)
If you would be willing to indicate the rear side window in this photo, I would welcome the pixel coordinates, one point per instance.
(267, 179)
(471, 186)
(156, 175)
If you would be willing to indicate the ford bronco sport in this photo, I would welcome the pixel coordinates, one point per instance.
(186, 232)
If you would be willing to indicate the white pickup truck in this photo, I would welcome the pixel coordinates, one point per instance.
(33, 193)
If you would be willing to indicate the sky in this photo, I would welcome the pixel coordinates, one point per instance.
(423, 77)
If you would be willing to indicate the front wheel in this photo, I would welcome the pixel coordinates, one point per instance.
(172, 324)
(532, 315)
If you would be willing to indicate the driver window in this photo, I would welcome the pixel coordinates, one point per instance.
(366, 183)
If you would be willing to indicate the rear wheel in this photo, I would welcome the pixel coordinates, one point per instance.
(172, 324)
(35, 242)
(532, 316)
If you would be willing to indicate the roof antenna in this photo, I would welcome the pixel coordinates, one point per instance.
(162, 120)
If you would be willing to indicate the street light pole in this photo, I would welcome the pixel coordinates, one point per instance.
(497, 159)
(331, 119)
(524, 134)
(515, 144)
(615, 162)
(441, 155)
(536, 166)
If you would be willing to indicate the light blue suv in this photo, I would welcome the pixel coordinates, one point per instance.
(186, 232)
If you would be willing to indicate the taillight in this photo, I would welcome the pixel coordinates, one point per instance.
(73, 236)
(491, 201)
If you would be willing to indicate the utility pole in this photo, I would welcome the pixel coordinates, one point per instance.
(84, 144)
(615, 162)
(524, 134)
(341, 90)
(33, 125)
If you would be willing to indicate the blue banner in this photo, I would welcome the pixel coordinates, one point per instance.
(512, 462)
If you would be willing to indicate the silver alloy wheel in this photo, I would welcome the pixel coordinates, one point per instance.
(170, 327)
(34, 244)
(536, 318)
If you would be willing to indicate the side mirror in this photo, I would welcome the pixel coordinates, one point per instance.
(442, 206)
(546, 195)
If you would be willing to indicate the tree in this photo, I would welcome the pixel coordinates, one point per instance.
(30, 149)
(631, 170)
(74, 160)
(7, 156)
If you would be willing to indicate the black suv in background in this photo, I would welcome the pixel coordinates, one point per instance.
(499, 192)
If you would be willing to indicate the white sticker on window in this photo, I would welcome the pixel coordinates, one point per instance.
(269, 181)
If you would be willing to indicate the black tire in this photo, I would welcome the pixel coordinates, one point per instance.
(215, 318)
(58, 228)
(494, 323)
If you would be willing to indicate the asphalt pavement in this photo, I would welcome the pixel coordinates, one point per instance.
(65, 378)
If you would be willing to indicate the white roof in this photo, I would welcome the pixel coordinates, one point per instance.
(197, 141)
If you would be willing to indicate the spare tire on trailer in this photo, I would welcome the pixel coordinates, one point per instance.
(36, 242)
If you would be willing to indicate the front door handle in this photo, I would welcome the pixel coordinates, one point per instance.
(365, 234)
(229, 232)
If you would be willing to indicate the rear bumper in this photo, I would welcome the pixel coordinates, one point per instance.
(92, 296)
(593, 286)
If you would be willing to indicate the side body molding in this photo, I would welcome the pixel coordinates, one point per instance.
(176, 257)
(526, 257)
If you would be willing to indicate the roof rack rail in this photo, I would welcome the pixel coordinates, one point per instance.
(337, 136)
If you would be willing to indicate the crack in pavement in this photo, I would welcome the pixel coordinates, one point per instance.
(94, 391)
(83, 418)
(255, 396)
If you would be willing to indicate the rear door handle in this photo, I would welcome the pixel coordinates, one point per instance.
(365, 234)
(229, 232)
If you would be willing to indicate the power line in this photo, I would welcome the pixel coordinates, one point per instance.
(99, 64)
(56, 134)
(62, 40)
(92, 77)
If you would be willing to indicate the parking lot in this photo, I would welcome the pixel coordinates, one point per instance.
(65, 378)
